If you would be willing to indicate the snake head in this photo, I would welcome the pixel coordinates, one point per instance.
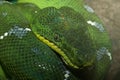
(68, 33)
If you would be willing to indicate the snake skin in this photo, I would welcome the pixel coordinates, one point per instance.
(83, 40)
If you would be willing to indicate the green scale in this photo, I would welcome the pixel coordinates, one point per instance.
(52, 40)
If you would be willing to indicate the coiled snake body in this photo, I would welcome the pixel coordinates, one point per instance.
(62, 40)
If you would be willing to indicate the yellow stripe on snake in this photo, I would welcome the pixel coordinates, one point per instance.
(52, 40)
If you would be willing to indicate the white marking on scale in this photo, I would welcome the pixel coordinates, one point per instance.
(6, 34)
(35, 11)
(90, 22)
(103, 51)
(43, 67)
(4, 14)
(109, 54)
(1, 37)
(97, 25)
(39, 65)
(27, 29)
(66, 75)
(88, 8)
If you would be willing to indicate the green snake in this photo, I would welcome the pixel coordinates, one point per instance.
(52, 40)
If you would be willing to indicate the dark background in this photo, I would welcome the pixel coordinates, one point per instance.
(109, 13)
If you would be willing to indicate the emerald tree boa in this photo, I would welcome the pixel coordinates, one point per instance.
(52, 40)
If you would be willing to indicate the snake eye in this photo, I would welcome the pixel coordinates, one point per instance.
(56, 38)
